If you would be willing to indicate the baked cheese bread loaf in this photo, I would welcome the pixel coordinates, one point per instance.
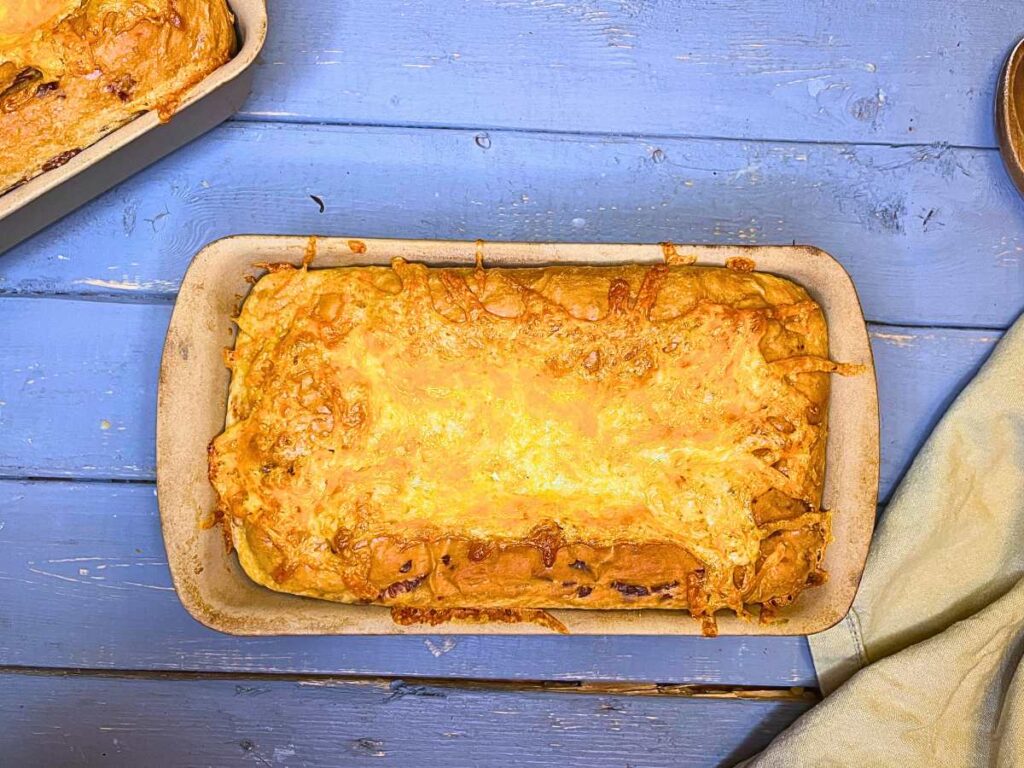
(498, 439)
(71, 71)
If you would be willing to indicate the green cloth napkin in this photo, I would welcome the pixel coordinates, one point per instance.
(927, 670)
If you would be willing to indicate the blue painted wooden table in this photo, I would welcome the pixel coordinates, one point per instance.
(863, 128)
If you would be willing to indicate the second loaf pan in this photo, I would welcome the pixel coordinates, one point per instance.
(192, 403)
(42, 200)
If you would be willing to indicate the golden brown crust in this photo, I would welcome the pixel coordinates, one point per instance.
(584, 437)
(407, 616)
(71, 71)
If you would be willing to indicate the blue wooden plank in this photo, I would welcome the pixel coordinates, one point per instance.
(921, 71)
(84, 584)
(931, 235)
(79, 375)
(920, 371)
(79, 390)
(74, 720)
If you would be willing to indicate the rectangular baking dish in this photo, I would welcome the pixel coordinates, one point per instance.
(192, 402)
(39, 202)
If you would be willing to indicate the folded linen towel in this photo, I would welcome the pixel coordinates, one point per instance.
(927, 670)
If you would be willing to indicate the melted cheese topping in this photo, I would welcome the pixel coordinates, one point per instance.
(601, 406)
(24, 16)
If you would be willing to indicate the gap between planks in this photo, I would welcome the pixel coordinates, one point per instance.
(285, 119)
(6, 477)
(397, 687)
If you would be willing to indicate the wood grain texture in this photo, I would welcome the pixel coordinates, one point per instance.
(79, 389)
(931, 235)
(919, 71)
(75, 720)
(84, 583)
(539, 120)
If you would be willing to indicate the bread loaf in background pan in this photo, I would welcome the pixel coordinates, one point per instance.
(71, 71)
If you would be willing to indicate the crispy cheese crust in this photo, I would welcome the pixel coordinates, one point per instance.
(71, 71)
(581, 437)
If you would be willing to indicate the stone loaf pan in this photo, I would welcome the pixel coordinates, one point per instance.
(192, 403)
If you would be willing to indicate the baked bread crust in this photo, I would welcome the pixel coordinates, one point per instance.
(560, 437)
(71, 71)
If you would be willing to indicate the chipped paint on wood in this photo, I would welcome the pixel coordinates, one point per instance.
(129, 285)
(897, 339)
